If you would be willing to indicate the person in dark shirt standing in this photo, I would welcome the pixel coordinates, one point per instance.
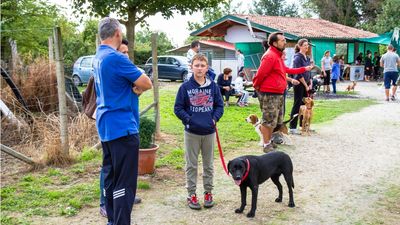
(368, 66)
(300, 91)
(377, 67)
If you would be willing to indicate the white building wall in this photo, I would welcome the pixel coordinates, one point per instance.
(239, 33)
(219, 65)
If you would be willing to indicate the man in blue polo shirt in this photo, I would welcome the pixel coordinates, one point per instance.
(117, 120)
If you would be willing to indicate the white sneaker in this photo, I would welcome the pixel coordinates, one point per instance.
(294, 131)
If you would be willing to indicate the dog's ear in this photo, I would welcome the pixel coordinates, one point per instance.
(245, 163)
(304, 100)
(229, 167)
(312, 104)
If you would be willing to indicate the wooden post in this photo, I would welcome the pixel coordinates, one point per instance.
(62, 102)
(51, 50)
(17, 155)
(15, 62)
(52, 80)
(155, 83)
(97, 41)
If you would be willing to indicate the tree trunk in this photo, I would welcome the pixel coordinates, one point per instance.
(130, 33)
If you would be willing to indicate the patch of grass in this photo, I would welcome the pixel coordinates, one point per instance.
(53, 172)
(5, 219)
(326, 110)
(89, 154)
(347, 93)
(81, 88)
(143, 185)
(78, 168)
(175, 159)
(386, 210)
(35, 195)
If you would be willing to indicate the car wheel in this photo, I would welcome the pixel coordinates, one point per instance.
(184, 75)
(77, 81)
(150, 75)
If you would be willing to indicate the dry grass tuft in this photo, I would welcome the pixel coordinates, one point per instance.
(38, 85)
(40, 139)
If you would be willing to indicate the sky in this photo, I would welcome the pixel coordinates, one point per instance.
(177, 35)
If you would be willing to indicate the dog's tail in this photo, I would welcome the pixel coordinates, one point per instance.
(289, 120)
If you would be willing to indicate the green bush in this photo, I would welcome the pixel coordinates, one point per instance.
(146, 132)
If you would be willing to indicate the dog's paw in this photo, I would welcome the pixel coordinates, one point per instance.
(239, 210)
(291, 204)
(250, 214)
(278, 200)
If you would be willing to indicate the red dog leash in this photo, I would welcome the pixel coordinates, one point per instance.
(221, 154)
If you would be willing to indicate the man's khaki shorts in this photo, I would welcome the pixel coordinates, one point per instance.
(272, 109)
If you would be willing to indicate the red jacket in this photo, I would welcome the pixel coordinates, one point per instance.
(271, 75)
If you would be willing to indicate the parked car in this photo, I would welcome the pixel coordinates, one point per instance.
(83, 70)
(169, 67)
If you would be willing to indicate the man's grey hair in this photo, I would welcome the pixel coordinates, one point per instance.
(390, 47)
(107, 27)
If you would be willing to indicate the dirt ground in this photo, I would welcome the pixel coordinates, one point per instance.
(341, 172)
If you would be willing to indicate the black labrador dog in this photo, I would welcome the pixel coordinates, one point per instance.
(251, 171)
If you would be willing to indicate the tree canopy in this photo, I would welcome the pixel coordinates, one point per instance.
(274, 8)
(132, 12)
(377, 16)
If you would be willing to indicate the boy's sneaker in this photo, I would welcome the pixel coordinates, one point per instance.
(103, 211)
(193, 202)
(393, 98)
(208, 200)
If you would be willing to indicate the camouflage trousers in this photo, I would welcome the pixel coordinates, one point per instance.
(272, 109)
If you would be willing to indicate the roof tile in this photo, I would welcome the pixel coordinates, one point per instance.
(309, 27)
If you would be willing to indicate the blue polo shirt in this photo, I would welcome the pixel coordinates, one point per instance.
(117, 112)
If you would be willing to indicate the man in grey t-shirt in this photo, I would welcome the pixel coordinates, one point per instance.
(390, 61)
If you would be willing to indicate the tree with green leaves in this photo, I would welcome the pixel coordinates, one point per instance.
(143, 45)
(339, 11)
(389, 18)
(274, 8)
(133, 12)
(211, 14)
(29, 23)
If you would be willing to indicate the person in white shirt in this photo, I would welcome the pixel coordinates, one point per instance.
(194, 49)
(239, 89)
(240, 61)
(326, 68)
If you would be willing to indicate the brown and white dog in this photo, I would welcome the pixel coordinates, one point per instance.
(253, 120)
(306, 111)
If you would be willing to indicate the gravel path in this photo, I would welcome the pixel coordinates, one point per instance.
(339, 172)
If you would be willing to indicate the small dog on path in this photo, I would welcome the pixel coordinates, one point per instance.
(306, 112)
(351, 86)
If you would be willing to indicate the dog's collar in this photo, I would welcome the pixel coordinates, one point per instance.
(309, 108)
(247, 172)
(258, 123)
